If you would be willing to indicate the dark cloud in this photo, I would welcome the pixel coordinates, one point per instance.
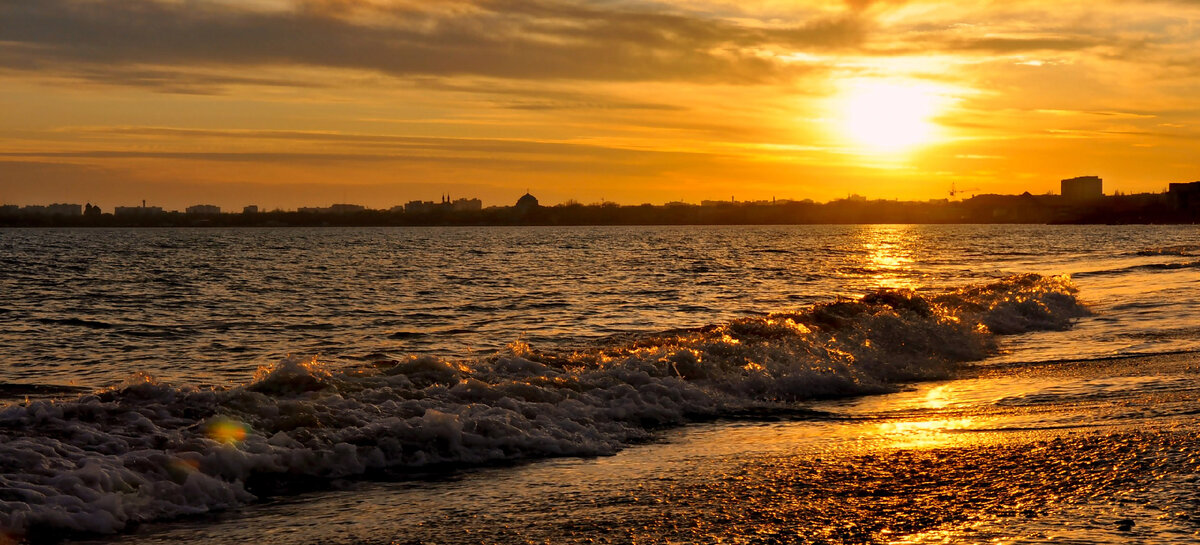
(1022, 45)
(526, 97)
(160, 79)
(399, 143)
(202, 47)
(925, 38)
(515, 39)
(251, 157)
(864, 4)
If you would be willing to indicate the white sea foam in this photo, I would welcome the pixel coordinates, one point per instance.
(147, 450)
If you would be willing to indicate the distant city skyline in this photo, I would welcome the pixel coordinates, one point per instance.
(382, 197)
(1079, 190)
(1101, 187)
(197, 206)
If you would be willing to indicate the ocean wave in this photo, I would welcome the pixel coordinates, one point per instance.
(1144, 268)
(147, 450)
(79, 322)
(1179, 250)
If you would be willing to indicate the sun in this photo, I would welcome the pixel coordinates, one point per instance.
(889, 117)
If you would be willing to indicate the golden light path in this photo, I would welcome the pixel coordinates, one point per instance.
(890, 251)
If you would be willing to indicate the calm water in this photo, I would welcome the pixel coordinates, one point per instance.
(994, 403)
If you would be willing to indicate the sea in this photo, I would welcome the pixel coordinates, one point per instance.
(640, 384)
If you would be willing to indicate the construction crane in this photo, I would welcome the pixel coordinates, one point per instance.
(956, 192)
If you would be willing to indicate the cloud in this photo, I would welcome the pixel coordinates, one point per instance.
(206, 46)
(1021, 45)
(540, 97)
(357, 139)
(865, 4)
(365, 148)
(514, 39)
(184, 81)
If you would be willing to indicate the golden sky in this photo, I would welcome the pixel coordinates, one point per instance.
(286, 103)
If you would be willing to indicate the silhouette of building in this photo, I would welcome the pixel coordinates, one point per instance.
(142, 210)
(419, 207)
(203, 209)
(91, 211)
(446, 205)
(1023, 208)
(332, 209)
(137, 210)
(467, 205)
(56, 209)
(526, 202)
(346, 208)
(250, 209)
(9, 210)
(1184, 195)
(1082, 188)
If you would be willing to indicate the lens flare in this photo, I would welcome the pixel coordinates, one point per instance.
(179, 469)
(226, 430)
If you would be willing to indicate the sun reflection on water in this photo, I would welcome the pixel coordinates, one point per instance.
(939, 397)
(888, 255)
(920, 434)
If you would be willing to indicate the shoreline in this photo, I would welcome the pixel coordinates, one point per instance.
(798, 481)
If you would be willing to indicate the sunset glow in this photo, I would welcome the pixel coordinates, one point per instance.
(293, 103)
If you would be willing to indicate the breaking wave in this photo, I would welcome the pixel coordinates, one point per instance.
(1149, 267)
(1183, 250)
(146, 450)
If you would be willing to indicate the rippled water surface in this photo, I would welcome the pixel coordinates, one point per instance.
(207, 306)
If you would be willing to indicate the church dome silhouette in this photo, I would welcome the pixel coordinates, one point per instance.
(527, 202)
